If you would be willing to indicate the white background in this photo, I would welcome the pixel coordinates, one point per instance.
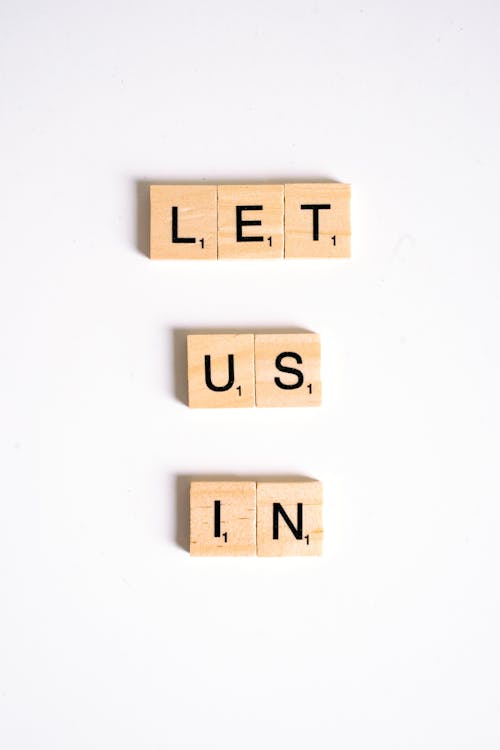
(111, 635)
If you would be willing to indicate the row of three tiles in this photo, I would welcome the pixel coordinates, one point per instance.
(235, 370)
(206, 222)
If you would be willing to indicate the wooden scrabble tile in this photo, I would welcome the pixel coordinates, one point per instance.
(288, 369)
(221, 370)
(223, 518)
(317, 220)
(250, 223)
(183, 221)
(289, 518)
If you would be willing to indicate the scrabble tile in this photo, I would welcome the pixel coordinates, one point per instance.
(221, 370)
(250, 221)
(288, 369)
(222, 518)
(183, 221)
(289, 518)
(317, 220)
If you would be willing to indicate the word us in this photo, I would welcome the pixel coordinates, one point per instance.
(269, 519)
(208, 222)
(233, 370)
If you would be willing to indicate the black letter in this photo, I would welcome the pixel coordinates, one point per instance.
(292, 370)
(277, 509)
(240, 223)
(175, 238)
(315, 207)
(216, 517)
(208, 374)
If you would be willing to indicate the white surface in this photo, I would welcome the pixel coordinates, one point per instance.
(111, 636)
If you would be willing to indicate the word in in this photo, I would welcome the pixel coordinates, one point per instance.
(264, 518)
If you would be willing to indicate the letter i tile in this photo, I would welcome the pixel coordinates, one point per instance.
(222, 518)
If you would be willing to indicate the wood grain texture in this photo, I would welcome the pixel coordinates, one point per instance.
(333, 222)
(230, 529)
(270, 197)
(302, 502)
(298, 351)
(228, 354)
(196, 215)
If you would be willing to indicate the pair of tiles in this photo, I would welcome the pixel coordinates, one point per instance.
(270, 519)
(206, 222)
(232, 370)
